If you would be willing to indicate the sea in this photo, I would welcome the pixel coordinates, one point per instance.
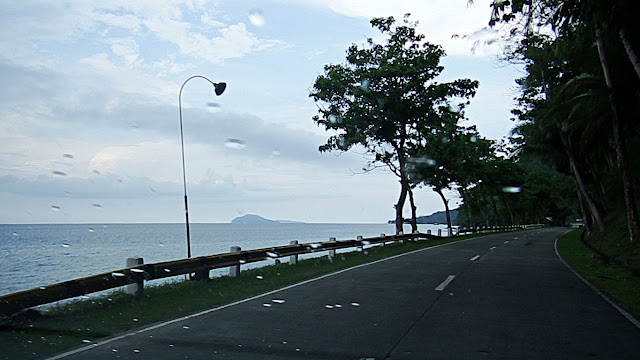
(38, 255)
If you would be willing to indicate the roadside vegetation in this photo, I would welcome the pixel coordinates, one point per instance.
(619, 283)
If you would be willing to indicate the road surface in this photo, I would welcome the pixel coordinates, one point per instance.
(502, 296)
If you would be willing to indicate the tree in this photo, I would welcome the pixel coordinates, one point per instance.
(384, 98)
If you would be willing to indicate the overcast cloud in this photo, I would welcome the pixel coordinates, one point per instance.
(89, 121)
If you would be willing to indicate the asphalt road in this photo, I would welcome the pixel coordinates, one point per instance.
(505, 296)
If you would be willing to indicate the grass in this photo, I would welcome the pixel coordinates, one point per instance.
(619, 283)
(76, 323)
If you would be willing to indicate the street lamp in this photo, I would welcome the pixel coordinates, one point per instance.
(218, 89)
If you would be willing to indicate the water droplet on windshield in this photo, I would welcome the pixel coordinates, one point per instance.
(117, 274)
(96, 172)
(136, 351)
(67, 156)
(338, 305)
(512, 189)
(266, 305)
(275, 152)
(96, 205)
(135, 320)
(91, 230)
(364, 84)
(355, 304)
(235, 144)
(65, 245)
(59, 173)
(328, 306)
(86, 341)
(114, 350)
(259, 277)
(186, 327)
(256, 17)
(272, 254)
(278, 301)
(15, 233)
(137, 270)
(473, 138)
(55, 207)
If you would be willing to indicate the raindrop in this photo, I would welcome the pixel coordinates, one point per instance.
(55, 207)
(137, 270)
(473, 138)
(59, 173)
(86, 341)
(15, 233)
(355, 304)
(315, 245)
(91, 230)
(256, 17)
(278, 301)
(272, 254)
(338, 305)
(167, 270)
(135, 320)
(67, 156)
(42, 287)
(512, 189)
(96, 205)
(171, 345)
(365, 242)
(96, 172)
(68, 193)
(235, 144)
(266, 305)
(114, 350)
(161, 244)
(445, 139)
(136, 351)
(186, 327)
(364, 84)
(328, 306)
(65, 245)
(116, 274)
(213, 105)
(259, 277)
(284, 342)
(275, 152)
(242, 261)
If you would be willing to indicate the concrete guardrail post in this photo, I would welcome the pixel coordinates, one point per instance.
(234, 270)
(439, 232)
(429, 232)
(332, 253)
(384, 242)
(361, 247)
(135, 289)
(293, 259)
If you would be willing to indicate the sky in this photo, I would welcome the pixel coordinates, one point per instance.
(89, 116)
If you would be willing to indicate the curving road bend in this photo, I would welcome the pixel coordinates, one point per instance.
(503, 296)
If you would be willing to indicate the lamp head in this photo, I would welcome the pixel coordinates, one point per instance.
(219, 87)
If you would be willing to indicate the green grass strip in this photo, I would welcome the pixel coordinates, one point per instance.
(86, 321)
(619, 284)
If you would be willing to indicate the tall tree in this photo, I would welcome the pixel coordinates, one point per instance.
(384, 97)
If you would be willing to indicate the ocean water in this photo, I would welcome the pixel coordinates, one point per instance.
(39, 255)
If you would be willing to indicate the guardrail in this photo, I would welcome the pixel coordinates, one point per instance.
(15, 302)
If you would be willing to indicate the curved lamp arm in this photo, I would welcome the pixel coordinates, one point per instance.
(218, 89)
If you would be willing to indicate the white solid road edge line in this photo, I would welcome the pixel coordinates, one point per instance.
(445, 282)
(159, 325)
(622, 311)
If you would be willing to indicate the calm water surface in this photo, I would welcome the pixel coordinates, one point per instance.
(38, 255)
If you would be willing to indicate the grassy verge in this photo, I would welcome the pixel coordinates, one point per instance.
(74, 324)
(618, 283)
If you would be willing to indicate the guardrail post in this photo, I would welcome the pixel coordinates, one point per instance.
(361, 247)
(234, 270)
(384, 242)
(332, 253)
(135, 289)
(293, 259)
(439, 232)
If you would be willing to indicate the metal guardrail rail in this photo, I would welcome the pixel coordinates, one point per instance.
(18, 301)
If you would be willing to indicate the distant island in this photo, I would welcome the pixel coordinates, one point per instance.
(257, 219)
(438, 217)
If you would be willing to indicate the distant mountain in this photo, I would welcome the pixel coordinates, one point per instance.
(256, 219)
(439, 217)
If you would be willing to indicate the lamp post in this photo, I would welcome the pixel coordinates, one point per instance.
(218, 89)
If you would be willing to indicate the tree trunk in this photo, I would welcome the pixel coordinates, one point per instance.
(630, 51)
(619, 140)
(404, 187)
(446, 208)
(593, 208)
(414, 219)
